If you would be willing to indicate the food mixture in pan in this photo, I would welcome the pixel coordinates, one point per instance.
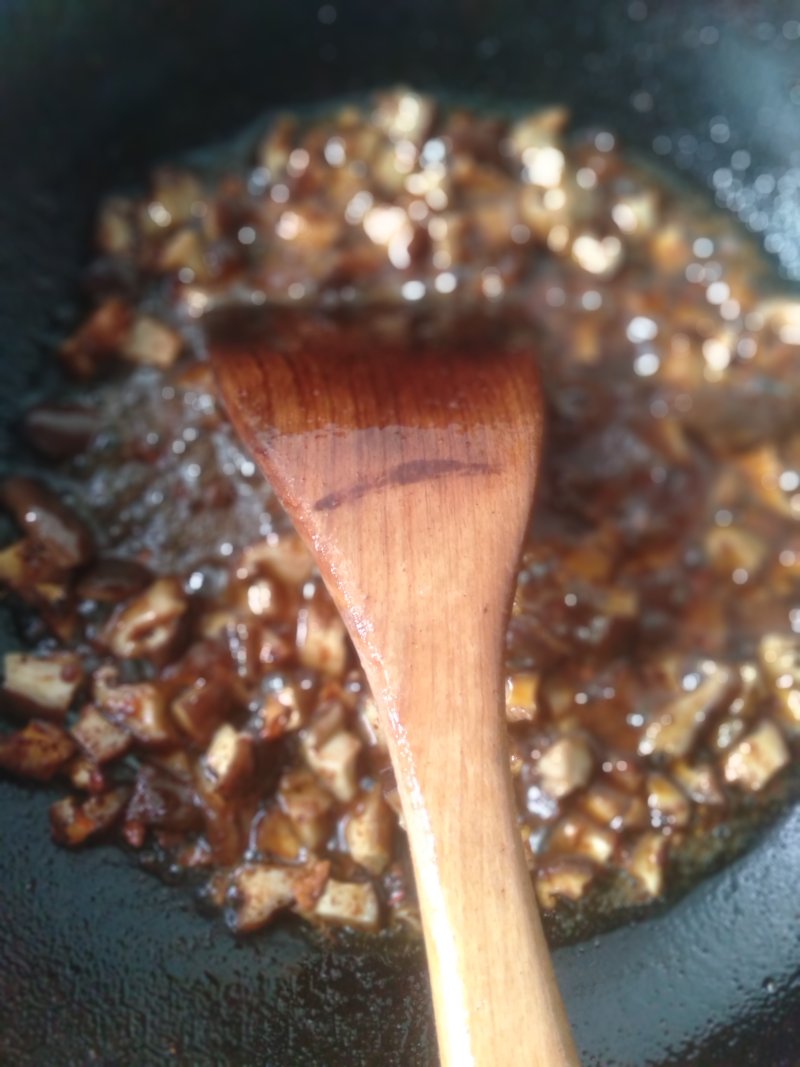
(191, 688)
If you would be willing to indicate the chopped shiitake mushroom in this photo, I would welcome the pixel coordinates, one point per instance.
(40, 750)
(140, 707)
(521, 696)
(149, 624)
(652, 653)
(673, 729)
(201, 707)
(779, 655)
(152, 342)
(72, 822)
(757, 758)
(229, 760)
(565, 766)
(349, 904)
(562, 879)
(308, 805)
(321, 639)
(48, 683)
(369, 832)
(645, 863)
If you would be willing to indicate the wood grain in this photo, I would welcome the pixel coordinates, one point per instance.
(410, 473)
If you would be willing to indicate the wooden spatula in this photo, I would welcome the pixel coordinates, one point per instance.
(409, 469)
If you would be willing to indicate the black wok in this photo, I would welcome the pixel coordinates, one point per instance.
(101, 963)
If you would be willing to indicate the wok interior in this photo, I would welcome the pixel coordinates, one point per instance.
(116, 962)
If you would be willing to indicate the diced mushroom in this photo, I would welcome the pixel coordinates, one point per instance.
(755, 760)
(698, 781)
(645, 863)
(276, 835)
(562, 879)
(140, 707)
(673, 729)
(152, 343)
(779, 655)
(148, 625)
(349, 904)
(48, 683)
(335, 762)
(159, 800)
(565, 766)
(86, 775)
(522, 689)
(280, 714)
(369, 831)
(59, 431)
(230, 760)
(63, 539)
(286, 557)
(308, 805)
(259, 892)
(110, 581)
(579, 835)
(668, 803)
(116, 231)
(40, 750)
(73, 822)
(98, 339)
(615, 809)
(321, 639)
(201, 707)
(732, 548)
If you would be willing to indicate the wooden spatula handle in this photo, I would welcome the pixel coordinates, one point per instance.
(495, 994)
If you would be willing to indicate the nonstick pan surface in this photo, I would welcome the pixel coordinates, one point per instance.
(100, 963)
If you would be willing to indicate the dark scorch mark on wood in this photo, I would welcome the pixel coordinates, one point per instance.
(417, 470)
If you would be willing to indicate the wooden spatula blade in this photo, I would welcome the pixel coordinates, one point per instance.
(410, 469)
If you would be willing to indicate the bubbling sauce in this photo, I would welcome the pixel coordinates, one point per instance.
(190, 678)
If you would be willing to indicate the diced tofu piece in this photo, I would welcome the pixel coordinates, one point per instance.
(370, 722)
(522, 689)
(562, 879)
(152, 343)
(755, 760)
(308, 805)
(201, 707)
(230, 760)
(369, 832)
(672, 731)
(645, 863)
(259, 892)
(72, 822)
(349, 904)
(116, 234)
(731, 548)
(579, 835)
(668, 804)
(39, 751)
(565, 766)
(49, 682)
(148, 625)
(321, 639)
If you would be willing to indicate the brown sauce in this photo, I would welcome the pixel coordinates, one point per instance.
(191, 680)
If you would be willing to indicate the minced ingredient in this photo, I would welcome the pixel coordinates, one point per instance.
(187, 677)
